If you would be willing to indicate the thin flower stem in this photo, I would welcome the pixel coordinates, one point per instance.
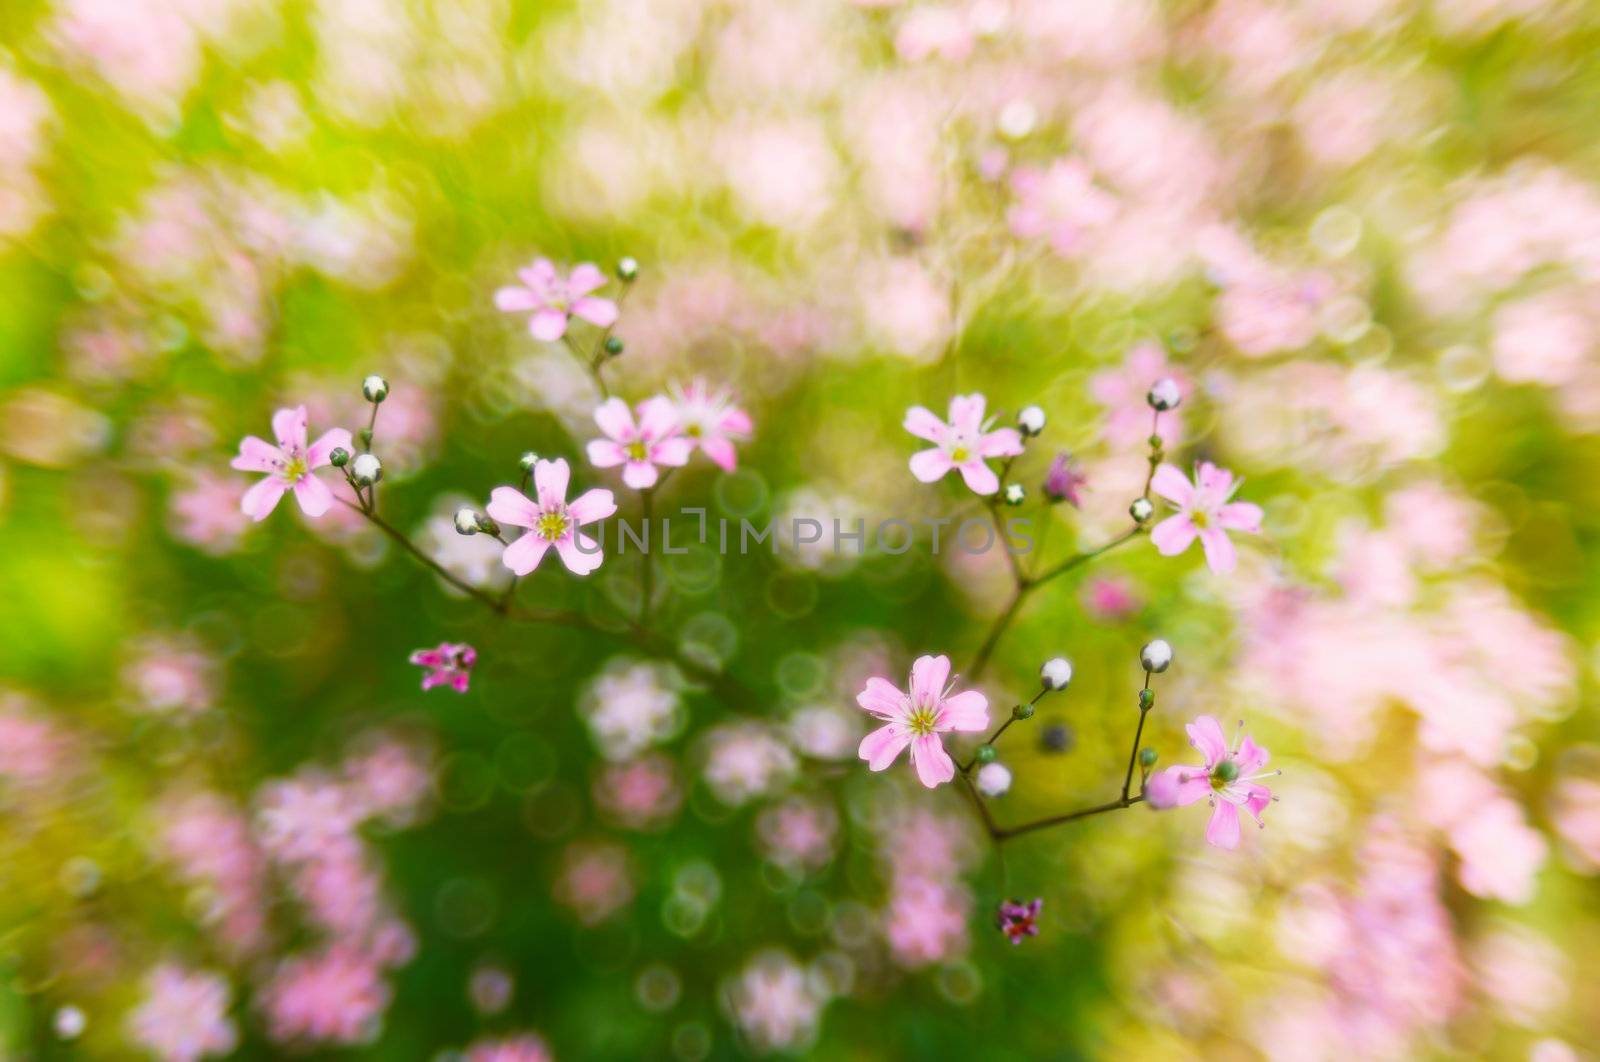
(1071, 816)
(1002, 621)
(646, 572)
(983, 808)
(589, 364)
(1133, 753)
(1085, 557)
(598, 357)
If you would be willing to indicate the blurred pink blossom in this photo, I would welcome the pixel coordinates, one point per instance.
(551, 300)
(184, 1016)
(710, 421)
(448, 664)
(1229, 780)
(774, 1003)
(1122, 391)
(333, 996)
(745, 760)
(926, 921)
(594, 880)
(1204, 511)
(525, 1047)
(639, 446)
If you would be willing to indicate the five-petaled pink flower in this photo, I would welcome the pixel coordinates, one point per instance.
(550, 520)
(710, 421)
(917, 719)
(552, 301)
(1204, 509)
(639, 447)
(288, 465)
(961, 444)
(1228, 779)
(448, 665)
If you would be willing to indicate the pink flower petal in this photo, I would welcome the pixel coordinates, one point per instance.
(883, 699)
(658, 418)
(735, 422)
(605, 453)
(289, 428)
(1173, 535)
(541, 276)
(1223, 829)
(1251, 757)
(524, 555)
(256, 455)
(313, 495)
(979, 477)
(259, 501)
(640, 475)
(1240, 516)
(547, 325)
(929, 677)
(922, 423)
(331, 440)
(883, 746)
(584, 278)
(1003, 443)
(602, 313)
(1220, 555)
(933, 763)
(929, 466)
(721, 452)
(615, 419)
(965, 711)
(580, 553)
(508, 505)
(516, 300)
(1257, 799)
(1173, 486)
(550, 479)
(966, 414)
(1205, 734)
(594, 504)
(672, 452)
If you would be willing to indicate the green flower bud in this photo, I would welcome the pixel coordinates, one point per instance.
(1147, 758)
(614, 345)
(986, 753)
(1022, 711)
(1147, 700)
(339, 457)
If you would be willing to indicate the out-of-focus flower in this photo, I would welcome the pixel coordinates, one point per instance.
(551, 521)
(1064, 480)
(639, 446)
(1228, 779)
(641, 794)
(594, 880)
(1205, 511)
(994, 779)
(525, 1047)
(552, 301)
(289, 465)
(710, 421)
(1523, 972)
(1123, 392)
(916, 720)
(388, 777)
(745, 760)
(449, 664)
(305, 817)
(926, 921)
(962, 444)
(630, 706)
(335, 996)
(1018, 920)
(1576, 814)
(1061, 204)
(209, 844)
(205, 513)
(774, 1003)
(824, 732)
(170, 676)
(184, 1016)
(798, 832)
(1110, 597)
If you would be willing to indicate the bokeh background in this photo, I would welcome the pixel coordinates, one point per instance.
(1363, 234)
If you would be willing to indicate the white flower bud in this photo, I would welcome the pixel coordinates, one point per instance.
(366, 469)
(528, 460)
(1156, 656)
(466, 522)
(1015, 494)
(375, 388)
(994, 779)
(1056, 673)
(1141, 510)
(1164, 394)
(628, 268)
(1031, 420)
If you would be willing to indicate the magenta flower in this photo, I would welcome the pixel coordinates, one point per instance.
(550, 520)
(1228, 780)
(1018, 920)
(919, 718)
(288, 465)
(448, 665)
(639, 446)
(961, 444)
(1064, 481)
(711, 422)
(1203, 510)
(553, 301)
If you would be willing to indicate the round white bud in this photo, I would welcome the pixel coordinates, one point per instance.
(528, 460)
(1141, 510)
(69, 1022)
(994, 779)
(627, 268)
(1031, 420)
(1056, 673)
(1015, 494)
(1155, 656)
(366, 469)
(1164, 394)
(466, 522)
(375, 388)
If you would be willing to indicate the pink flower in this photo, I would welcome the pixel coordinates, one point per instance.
(639, 447)
(1204, 510)
(333, 996)
(917, 720)
(184, 1016)
(1065, 480)
(288, 465)
(524, 1048)
(961, 444)
(1018, 920)
(448, 665)
(1228, 774)
(710, 422)
(551, 521)
(553, 301)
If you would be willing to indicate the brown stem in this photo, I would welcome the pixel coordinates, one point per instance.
(1071, 816)
(1002, 621)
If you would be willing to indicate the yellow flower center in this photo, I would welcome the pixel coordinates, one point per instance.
(960, 454)
(1199, 518)
(693, 431)
(922, 719)
(636, 451)
(294, 468)
(551, 525)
